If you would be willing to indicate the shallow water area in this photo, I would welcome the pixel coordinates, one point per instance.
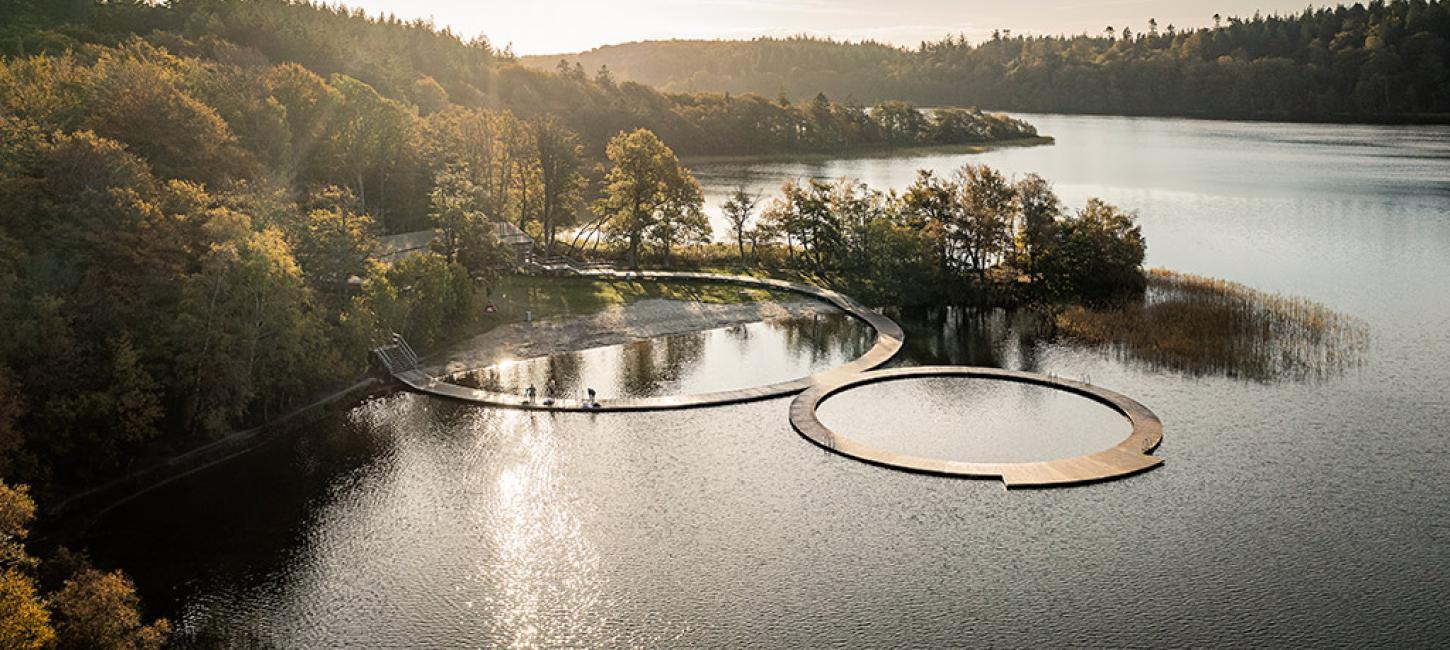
(720, 359)
(973, 420)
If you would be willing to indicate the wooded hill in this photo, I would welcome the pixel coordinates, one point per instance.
(428, 68)
(1384, 60)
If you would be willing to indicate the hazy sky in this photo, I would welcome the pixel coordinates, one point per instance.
(555, 26)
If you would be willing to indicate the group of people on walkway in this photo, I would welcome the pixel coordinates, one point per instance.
(551, 389)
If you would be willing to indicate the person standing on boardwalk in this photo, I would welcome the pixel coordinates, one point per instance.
(529, 393)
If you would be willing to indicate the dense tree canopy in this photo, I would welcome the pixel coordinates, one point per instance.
(182, 237)
(1381, 58)
(86, 610)
(971, 237)
(381, 65)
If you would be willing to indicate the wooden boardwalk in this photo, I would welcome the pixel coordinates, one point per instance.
(889, 339)
(1126, 458)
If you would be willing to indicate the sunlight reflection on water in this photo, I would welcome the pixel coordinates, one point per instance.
(545, 569)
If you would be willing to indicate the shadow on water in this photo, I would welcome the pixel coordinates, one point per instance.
(1207, 327)
(1188, 324)
(966, 336)
(652, 364)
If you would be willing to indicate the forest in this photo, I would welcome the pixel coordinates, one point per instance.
(1385, 60)
(421, 66)
(974, 236)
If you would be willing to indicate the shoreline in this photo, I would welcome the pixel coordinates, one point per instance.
(869, 151)
(72, 514)
(1349, 119)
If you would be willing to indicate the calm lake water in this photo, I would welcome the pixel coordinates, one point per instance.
(1288, 512)
(974, 420)
(714, 360)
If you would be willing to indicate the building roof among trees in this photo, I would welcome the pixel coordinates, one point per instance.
(394, 247)
(510, 235)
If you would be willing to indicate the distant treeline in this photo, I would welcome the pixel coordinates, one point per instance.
(1384, 59)
(428, 69)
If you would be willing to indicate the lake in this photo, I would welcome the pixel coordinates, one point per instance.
(1290, 511)
(722, 359)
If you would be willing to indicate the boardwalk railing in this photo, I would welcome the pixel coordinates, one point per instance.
(559, 265)
(407, 349)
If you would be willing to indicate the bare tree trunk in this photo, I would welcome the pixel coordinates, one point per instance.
(256, 338)
(201, 359)
(362, 195)
(382, 196)
(592, 228)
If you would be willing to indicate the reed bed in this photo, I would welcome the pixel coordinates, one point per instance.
(1206, 326)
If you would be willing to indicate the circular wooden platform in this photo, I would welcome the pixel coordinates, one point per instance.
(1126, 458)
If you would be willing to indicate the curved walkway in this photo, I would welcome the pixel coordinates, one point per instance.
(1127, 457)
(889, 339)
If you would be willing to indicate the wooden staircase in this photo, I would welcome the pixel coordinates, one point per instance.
(396, 357)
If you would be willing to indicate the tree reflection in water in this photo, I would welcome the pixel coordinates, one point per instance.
(738, 356)
(654, 363)
(1183, 323)
(964, 336)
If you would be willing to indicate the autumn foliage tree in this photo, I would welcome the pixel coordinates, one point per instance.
(98, 610)
(648, 193)
(90, 610)
(739, 210)
(562, 176)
